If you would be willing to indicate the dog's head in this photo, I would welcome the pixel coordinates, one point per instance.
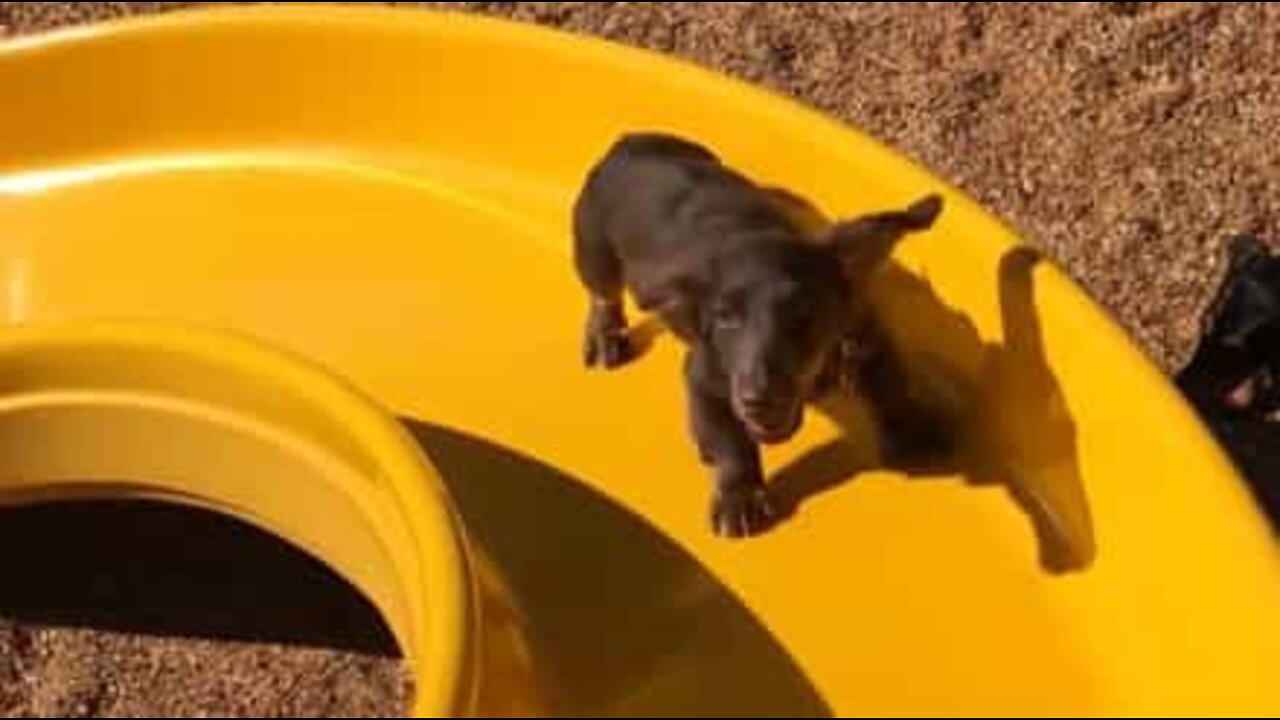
(774, 312)
(1238, 355)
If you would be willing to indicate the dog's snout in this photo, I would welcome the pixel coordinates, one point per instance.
(756, 387)
(763, 393)
(767, 407)
(758, 405)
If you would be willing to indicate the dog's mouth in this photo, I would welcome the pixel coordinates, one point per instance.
(771, 423)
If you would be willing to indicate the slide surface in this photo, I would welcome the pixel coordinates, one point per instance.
(321, 256)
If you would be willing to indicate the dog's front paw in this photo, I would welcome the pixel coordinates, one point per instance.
(608, 343)
(608, 350)
(741, 512)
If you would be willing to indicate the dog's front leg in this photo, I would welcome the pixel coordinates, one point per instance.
(740, 506)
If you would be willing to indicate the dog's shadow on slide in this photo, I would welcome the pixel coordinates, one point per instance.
(1005, 409)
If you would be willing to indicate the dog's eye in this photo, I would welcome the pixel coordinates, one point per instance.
(727, 319)
(802, 309)
(728, 314)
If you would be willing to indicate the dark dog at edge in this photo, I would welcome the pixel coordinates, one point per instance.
(1233, 378)
(769, 314)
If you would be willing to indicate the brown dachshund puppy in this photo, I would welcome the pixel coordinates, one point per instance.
(764, 307)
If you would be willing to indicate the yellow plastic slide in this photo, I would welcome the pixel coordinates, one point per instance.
(310, 267)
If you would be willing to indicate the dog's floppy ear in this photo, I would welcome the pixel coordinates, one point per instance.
(1245, 251)
(1246, 299)
(864, 244)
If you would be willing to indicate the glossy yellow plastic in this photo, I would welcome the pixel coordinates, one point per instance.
(214, 420)
(387, 194)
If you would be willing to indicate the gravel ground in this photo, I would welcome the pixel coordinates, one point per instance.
(1127, 139)
(92, 674)
(139, 611)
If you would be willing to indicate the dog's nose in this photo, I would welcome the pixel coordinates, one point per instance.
(759, 400)
(753, 392)
(756, 384)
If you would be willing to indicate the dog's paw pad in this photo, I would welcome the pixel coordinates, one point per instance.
(608, 344)
(608, 350)
(742, 513)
